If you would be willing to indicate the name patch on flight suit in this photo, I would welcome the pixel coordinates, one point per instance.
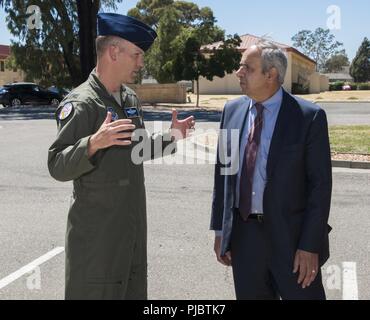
(66, 111)
(132, 112)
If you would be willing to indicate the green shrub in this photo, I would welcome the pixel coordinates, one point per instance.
(364, 86)
(354, 86)
(298, 88)
(336, 86)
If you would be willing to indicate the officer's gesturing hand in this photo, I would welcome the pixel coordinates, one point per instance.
(111, 134)
(181, 129)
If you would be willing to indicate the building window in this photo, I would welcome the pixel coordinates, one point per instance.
(2, 66)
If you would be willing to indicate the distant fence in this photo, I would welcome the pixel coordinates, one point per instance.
(160, 93)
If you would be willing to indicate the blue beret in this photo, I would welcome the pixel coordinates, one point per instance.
(128, 28)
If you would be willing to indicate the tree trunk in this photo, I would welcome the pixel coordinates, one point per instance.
(71, 62)
(197, 92)
(87, 10)
(66, 40)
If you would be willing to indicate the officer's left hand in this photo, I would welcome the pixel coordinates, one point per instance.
(308, 265)
(180, 129)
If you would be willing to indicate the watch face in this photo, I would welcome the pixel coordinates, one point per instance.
(131, 112)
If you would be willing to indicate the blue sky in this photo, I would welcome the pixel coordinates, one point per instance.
(280, 19)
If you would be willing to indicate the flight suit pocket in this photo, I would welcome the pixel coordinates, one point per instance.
(97, 191)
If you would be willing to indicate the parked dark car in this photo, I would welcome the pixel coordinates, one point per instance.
(27, 93)
(61, 91)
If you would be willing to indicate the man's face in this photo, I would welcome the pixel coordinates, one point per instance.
(130, 60)
(252, 81)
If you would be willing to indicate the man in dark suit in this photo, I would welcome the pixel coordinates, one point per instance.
(273, 184)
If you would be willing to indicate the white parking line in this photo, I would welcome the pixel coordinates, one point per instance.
(29, 267)
(350, 287)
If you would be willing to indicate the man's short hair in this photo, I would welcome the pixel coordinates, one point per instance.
(103, 42)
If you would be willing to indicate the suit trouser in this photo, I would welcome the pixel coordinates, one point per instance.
(256, 277)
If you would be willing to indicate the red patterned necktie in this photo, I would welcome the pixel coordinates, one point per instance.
(249, 164)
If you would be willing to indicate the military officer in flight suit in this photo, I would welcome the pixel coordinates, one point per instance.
(106, 236)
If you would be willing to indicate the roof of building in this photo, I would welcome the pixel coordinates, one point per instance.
(339, 76)
(4, 51)
(249, 40)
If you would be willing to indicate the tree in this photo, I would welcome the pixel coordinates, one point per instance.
(336, 62)
(162, 51)
(170, 19)
(189, 14)
(149, 11)
(87, 11)
(52, 46)
(51, 54)
(191, 62)
(360, 67)
(319, 45)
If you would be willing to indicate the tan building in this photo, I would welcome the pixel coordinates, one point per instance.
(8, 75)
(301, 72)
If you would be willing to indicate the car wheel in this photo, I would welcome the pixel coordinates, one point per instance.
(54, 102)
(15, 102)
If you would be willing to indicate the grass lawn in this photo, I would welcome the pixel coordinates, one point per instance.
(344, 96)
(350, 139)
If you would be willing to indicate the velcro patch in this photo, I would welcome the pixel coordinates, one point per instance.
(66, 111)
(131, 112)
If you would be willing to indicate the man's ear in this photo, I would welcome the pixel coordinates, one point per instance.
(273, 75)
(112, 51)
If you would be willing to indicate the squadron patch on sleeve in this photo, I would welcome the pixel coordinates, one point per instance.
(66, 111)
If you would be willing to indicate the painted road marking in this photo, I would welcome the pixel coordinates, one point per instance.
(29, 267)
(350, 287)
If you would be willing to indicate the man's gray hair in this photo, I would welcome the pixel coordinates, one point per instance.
(273, 57)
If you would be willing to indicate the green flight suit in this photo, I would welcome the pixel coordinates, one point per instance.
(106, 239)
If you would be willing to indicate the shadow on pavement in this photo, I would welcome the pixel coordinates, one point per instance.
(199, 115)
(47, 113)
(27, 113)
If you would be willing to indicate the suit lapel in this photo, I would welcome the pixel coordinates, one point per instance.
(242, 119)
(281, 127)
(240, 122)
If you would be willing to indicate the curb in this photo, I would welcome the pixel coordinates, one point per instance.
(335, 163)
(340, 101)
(350, 164)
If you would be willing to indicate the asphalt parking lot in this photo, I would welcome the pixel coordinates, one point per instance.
(182, 265)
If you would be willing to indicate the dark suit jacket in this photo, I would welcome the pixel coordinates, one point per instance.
(297, 195)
